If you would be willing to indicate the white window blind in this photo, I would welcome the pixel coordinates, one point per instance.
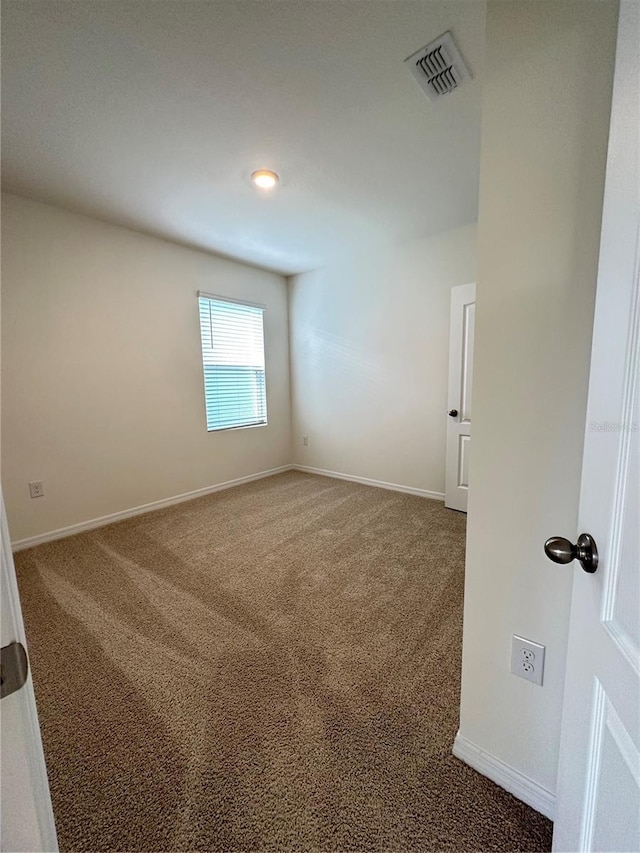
(233, 363)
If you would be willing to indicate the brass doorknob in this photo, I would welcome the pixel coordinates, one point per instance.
(562, 551)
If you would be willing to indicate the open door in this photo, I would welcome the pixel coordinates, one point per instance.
(26, 819)
(463, 312)
(598, 792)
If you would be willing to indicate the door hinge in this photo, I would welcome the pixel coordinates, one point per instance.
(14, 668)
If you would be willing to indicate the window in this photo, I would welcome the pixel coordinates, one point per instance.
(233, 362)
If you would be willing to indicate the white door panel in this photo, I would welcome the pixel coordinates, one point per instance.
(463, 309)
(598, 795)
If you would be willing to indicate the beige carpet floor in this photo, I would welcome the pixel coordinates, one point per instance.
(274, 667)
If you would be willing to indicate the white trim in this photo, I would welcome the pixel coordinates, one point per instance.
(379, 484)
(507, 777)
(93, 523)
(202, 294)
(30, 822)
(63, 532)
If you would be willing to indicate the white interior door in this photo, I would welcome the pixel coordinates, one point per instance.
(26, 816)
(463, 308)
(598, 794)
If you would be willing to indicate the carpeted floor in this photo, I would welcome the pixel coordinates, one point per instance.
(273, 667)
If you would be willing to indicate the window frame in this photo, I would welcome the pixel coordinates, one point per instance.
(202, 294)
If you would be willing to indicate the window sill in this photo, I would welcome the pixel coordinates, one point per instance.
(240, 426)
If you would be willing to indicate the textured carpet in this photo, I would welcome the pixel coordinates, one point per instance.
(273, 667)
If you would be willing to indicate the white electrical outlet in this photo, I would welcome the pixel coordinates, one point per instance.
(305, 440)
(527, 659)
(36, 489)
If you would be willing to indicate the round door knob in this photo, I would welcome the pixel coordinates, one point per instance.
(562, 551)
(453, 413)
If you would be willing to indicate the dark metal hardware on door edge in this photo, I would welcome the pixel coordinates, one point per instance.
(453, 413)
(562, 551)
(14, 668)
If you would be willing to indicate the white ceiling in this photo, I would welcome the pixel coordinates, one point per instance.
(153, 114)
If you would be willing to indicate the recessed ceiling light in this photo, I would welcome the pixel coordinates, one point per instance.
(264, 179)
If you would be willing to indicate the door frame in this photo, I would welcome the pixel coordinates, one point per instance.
(27, 815)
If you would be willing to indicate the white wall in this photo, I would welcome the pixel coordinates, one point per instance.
(102, 378)
(369, 359)
(546, 102)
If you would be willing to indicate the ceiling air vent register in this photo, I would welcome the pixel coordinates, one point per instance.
(438, 67)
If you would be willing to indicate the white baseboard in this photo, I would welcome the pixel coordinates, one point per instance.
(92, 523)
(380, 484)
(507, 777)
